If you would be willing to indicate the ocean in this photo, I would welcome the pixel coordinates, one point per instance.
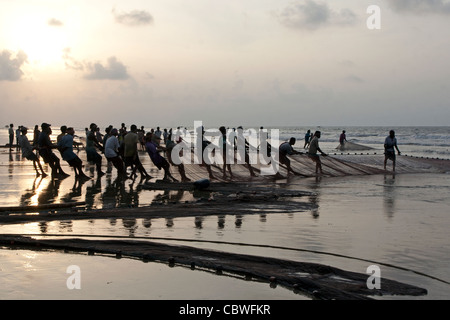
(433, 142)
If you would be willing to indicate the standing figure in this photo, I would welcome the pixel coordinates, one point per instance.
(36, 134)
(307, 139)
(11, 135)
(312, 151)
(389, 153)
(226, 165)
(342, 138)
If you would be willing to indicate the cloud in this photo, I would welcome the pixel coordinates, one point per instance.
(353, 79)
(133, 18)
(10, 67)
(421, 6)
(311, 15)
(70, 62)
(114, 70)
(55, 22)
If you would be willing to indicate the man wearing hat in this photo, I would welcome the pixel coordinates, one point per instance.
(27, 151)
(45, 151)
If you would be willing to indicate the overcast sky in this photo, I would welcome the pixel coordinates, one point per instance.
(225, 62)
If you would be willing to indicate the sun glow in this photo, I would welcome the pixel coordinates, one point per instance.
(42, 39)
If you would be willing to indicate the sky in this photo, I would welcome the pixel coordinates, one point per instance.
(225, 62)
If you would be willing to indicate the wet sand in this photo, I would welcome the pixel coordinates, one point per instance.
(367, 217)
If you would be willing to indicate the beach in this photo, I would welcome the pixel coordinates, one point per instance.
(398, 222)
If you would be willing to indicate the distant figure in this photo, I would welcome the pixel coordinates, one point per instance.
(307, 139)
(223, 138)
(98, 134)
(286, 150)
(141, 137)
(45, 151)
(36, 134)
(342, 138)
(201, 131)
(165, 135)
(389, 153)
(157, 136)
(312, 151)
(27, 152)
(65, 146)
(62, 134)
(159, 161)
(11, 135)
(105, 138)
(240, 140)
(18, 130)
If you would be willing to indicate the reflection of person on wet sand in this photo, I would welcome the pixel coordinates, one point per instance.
(312, 152)
(27, 152)
(75, 191)
(49, 193)
(30, 193)
(91, 191)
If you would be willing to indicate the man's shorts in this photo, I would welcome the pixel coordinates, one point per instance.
(390, 155)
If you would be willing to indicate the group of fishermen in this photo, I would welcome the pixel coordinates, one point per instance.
(121, 154)
(120, 148)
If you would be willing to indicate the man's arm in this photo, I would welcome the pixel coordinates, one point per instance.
(395, 145)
